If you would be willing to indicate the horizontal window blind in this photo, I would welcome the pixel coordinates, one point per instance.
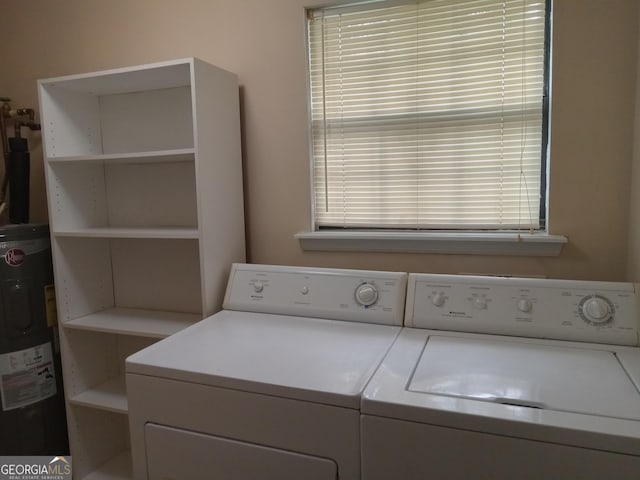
(428, 114)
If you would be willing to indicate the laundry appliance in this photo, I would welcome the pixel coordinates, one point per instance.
(506, 378)
(270, 387)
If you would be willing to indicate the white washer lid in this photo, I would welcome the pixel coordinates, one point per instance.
(324, 361)
(555, 378)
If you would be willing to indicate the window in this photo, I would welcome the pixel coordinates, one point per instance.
(430, 114)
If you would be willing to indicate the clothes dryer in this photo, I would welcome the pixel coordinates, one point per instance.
(270, 387)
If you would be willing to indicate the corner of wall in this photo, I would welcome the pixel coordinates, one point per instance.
(633, 249)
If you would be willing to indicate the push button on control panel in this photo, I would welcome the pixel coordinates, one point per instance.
(479, 303)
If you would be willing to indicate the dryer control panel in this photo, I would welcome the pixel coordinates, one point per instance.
(600, 312)
(338, 294)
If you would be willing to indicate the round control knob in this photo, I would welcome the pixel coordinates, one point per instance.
(437, 299)
(480, 303)
(596, 310)
(258, 286)
(525, 305)
(366, 294)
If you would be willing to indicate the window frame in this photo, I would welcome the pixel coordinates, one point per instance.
(464, 240)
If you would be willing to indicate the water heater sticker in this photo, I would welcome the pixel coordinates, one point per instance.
(14, 257)
(27, 376)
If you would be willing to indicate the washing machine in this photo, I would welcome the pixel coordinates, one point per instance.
(270, 387)
(508, 378)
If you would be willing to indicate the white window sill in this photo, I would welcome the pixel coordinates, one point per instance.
(480, 243)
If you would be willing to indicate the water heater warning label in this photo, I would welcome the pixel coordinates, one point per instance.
(27, 376)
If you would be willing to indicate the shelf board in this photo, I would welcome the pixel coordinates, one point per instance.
(161, 75)
(110, 395)
(118, 468)
(132, 321)
(121, 232)
(160, 156)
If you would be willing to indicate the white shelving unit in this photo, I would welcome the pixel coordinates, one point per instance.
(144, 182)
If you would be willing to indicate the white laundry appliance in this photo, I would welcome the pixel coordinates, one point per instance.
(547, 390)
(270, 387)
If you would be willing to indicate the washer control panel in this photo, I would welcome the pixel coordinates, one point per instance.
(338, 294)
(600, 312)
